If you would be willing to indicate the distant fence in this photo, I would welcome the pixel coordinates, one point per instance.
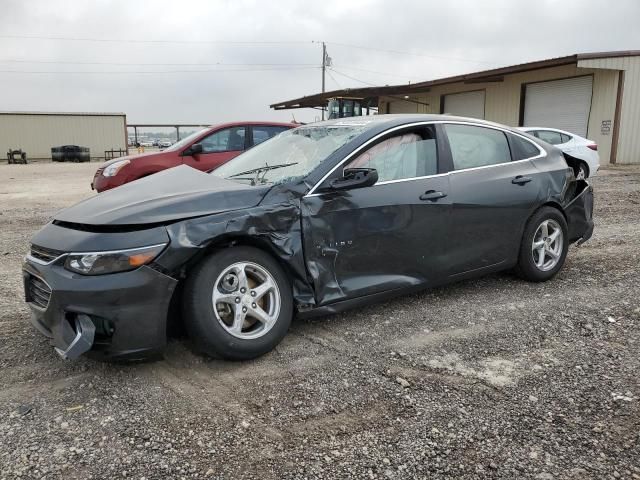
(111, 154)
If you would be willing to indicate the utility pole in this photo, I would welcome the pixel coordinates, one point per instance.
(324, 65)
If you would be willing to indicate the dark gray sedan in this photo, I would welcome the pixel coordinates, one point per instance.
(321, 218)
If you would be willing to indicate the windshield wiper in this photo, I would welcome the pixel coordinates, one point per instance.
(259, 170)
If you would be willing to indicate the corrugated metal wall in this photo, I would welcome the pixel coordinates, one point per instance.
(502, 100)
(629, 135)
(37, 133)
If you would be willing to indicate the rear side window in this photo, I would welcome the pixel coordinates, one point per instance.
(553, 138)
(522, 149)
(265, 132)
(565, 138)
(473, 146)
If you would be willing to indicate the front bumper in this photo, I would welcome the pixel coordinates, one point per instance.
(121, 316)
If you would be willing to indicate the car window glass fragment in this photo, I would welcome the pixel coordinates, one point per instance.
(473, 146)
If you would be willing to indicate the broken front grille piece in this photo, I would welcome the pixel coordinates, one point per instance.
(44, 254)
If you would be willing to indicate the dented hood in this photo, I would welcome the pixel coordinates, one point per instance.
(174, 194)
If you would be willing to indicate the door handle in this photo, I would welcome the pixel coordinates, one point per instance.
(520, 180)
(432, 195)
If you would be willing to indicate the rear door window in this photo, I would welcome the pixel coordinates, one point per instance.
(473, 146)
(225, 140)
(265, 132)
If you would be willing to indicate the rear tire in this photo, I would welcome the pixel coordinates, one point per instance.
(237, 304)
(583, 171)
(544, 245)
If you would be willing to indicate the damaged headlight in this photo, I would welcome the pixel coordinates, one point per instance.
(101, 263)
(113, 169)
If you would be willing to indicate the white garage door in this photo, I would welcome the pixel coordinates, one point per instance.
(468, 104)
(403, 107)
(563, 104)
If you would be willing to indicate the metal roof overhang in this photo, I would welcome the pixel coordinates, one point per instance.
(400, 91)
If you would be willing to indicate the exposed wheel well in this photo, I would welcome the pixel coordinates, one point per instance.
(576, 163)
(174, 325)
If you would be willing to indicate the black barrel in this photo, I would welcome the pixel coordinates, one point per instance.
(70, 153)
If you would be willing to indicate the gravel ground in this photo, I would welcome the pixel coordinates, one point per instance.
(490, 378)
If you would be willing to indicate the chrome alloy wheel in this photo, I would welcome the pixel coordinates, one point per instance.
(246, 300)
(548, 242)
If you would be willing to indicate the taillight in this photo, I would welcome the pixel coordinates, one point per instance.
(593, 146)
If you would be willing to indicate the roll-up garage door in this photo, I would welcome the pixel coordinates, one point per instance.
(467, 104)
(563, 104)
(403, 107)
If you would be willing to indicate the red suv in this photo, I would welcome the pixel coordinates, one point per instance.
(204, 150)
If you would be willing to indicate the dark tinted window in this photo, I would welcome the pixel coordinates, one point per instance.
(522, 149)
(264, 132)
(225, 140)
(554, 138)
(408, 154)
(473, 146)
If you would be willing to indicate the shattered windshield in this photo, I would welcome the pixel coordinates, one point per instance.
(290, 155)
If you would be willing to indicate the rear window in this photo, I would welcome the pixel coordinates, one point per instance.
(521, 148)
(473, 146)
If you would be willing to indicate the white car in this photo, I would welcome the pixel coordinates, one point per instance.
(164, 143)
(581, 148)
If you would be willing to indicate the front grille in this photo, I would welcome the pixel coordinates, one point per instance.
(38, 291)
(44, 254)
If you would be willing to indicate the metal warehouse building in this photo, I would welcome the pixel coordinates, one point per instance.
(37, 132)
(595, 95)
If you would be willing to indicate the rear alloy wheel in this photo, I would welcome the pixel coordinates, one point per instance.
(237, 304)
(544, 245)
(547, 245)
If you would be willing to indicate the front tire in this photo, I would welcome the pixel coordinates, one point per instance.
(237, 304)
(544, 245)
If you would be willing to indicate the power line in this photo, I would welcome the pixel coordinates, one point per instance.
(375, 71)
(373, 49)
(134, 64)
(124, 40)
(112, 72)
(334, 80)
(353, 78)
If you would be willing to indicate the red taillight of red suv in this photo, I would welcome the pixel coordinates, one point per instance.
(593, 146)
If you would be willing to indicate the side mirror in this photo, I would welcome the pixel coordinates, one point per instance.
(193, 150)
(355, 178)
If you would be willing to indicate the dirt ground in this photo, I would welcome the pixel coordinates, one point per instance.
(490, 378)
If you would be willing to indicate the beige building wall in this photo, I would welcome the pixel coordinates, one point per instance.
(629, 131)
(37, 133)
(502, 99)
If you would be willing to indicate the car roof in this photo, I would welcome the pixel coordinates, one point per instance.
(394, 120)
(252, 123)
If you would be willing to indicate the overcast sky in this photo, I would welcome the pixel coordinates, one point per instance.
(252, 53)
